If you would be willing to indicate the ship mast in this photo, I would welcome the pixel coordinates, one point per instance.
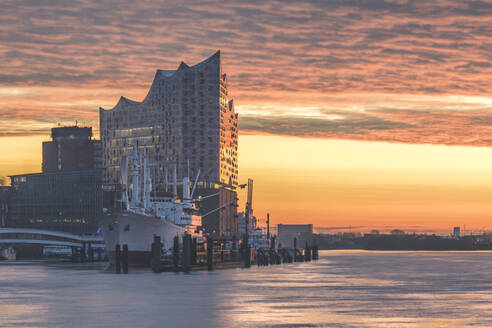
(175, 185)
(147, 182)
(124, 182)
(135, 199)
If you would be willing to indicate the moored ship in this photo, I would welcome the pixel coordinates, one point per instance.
(141, 217)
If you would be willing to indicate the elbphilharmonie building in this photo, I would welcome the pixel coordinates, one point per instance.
(187, 119)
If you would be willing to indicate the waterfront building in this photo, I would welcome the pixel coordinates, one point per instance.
(456, 232)
(69, 201)
(186, 120)
(72, 148)
(223, 222)
(302, 232)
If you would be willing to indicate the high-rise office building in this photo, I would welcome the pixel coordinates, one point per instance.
(187, 119)
(72, 148)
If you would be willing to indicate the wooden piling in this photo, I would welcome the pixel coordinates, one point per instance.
(186, 258)
(247, 259)
(124, 258)
(176, 253)
(117, 255)
(307, 253)
(295, 249)
(234, 249)
(210, 253)
(315, 252)
(193, 251)
(156, 254)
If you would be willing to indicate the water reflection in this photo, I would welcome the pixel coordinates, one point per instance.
(342, 289)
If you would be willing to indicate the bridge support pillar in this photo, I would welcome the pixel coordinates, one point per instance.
(82, 253)
(75, 257)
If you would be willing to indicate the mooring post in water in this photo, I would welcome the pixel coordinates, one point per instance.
(315, 252)
(210, 253)
(176, 253)
(117, 258)
(91, 252)
(307, 253)
(234, 249)
(74, 254)
(186, 259)
(156, 254)
(124, 258)
(247, 259)
(193, 251)
(295, 249)
(190, 251)
(244, 245)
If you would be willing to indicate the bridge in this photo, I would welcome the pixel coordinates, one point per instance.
(10, 236)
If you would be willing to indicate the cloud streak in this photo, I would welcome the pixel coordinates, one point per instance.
(472, 128)
(335, 57)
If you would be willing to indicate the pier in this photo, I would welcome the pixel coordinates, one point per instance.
(189, 256)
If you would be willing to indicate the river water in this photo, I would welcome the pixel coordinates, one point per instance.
(342, 289)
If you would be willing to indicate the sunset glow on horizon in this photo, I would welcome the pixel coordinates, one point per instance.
(369, 116)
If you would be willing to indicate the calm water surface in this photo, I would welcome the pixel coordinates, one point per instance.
(342, 289)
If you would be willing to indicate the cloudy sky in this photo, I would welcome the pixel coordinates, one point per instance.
(365, 73)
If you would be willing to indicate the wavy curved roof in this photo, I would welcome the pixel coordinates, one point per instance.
(163, 74)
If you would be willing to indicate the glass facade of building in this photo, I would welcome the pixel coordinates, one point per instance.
(69, 201)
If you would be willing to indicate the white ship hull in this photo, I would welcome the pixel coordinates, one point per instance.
(138, 231)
